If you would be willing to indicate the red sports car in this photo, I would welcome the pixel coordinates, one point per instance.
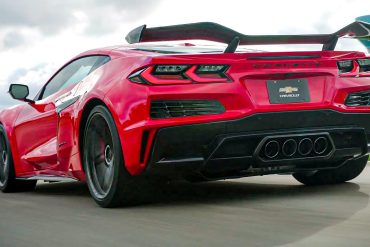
(119, 116)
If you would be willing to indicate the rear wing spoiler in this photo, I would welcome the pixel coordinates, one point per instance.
(215, 32)
(365, 42)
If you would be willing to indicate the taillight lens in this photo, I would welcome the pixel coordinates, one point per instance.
(180, 74)
(345, 66)
(170, 69)
(152, 76)
(354, 68)
(364, 65)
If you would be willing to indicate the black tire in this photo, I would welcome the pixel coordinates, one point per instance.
(103, 159)
(344, 173)
(8, 182)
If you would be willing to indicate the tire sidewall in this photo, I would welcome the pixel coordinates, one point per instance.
(119, 172)
(11, 174)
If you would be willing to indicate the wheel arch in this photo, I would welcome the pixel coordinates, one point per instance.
(82, 123)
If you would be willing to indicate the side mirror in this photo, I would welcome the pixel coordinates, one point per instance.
(20, 92)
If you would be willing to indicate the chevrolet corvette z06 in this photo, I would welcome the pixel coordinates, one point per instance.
(116, 117)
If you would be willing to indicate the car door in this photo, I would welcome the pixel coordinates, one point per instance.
(36, 126)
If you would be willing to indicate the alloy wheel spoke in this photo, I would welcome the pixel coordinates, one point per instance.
(100, 171)
(6, 167)
(2, 175)
(107, 177)
(98, 159)
(3, 172)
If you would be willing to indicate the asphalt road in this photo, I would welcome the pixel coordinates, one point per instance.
(262, 211)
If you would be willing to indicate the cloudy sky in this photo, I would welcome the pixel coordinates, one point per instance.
(38, 36)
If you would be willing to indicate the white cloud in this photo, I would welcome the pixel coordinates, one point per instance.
(52, 16)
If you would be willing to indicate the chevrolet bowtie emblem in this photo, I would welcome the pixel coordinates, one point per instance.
(288, 89)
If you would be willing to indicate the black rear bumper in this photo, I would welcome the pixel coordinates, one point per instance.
(238, 147)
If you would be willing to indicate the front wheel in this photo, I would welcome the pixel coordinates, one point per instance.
(344, 173)
(109, 183)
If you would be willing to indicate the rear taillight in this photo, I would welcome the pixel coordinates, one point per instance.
(364, 65)
(151, 76)
(345, 66)
(180, 74)
(354, 68)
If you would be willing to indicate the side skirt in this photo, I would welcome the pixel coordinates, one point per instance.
(49, 178)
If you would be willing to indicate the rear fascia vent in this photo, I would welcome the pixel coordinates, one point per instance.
(184, 108)
(358, 99)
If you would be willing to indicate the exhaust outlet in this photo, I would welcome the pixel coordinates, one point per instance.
(305, 146)
(320, 145)
(272, 149)
(289, 147)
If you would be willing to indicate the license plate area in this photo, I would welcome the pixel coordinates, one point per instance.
(288, 91)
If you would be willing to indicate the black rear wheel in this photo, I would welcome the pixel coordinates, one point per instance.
(8, 182)
(344, 173)
(109, 183)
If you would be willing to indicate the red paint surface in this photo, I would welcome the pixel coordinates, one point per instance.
(44, 143)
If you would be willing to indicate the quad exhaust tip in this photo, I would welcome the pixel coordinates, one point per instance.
(320, 145)
(289, 147)
(272, 149)
(305, 146)
(292, 147)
